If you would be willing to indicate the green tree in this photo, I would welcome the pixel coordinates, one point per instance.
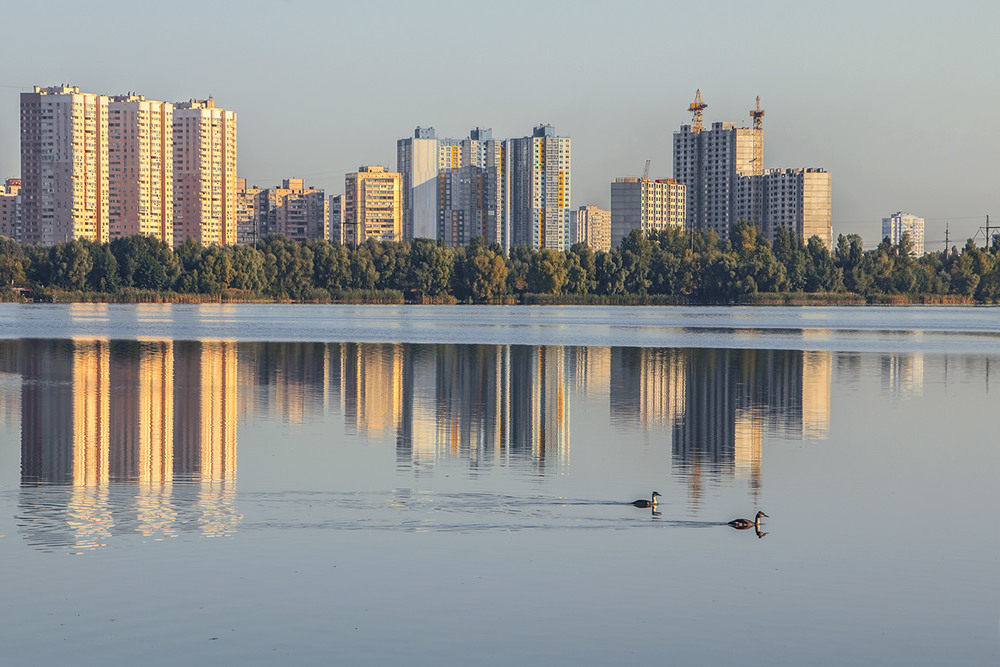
(12, 261)
(430, 267)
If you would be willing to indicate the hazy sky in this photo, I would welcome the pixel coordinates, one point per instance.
(898, 100)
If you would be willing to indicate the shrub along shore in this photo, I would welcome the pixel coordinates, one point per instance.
(669, 267)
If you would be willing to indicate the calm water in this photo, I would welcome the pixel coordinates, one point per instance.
(362, 485)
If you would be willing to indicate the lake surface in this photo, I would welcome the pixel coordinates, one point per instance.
(438, 485)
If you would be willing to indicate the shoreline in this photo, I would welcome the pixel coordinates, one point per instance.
(392, 297)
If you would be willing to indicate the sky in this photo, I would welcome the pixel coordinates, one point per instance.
(898, 100)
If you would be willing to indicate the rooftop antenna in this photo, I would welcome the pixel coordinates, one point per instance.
(696, 108)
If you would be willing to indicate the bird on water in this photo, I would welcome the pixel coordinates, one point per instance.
(743, 524)
(647, 503)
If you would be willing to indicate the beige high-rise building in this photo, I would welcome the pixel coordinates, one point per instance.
(10, 209)
(204, 173)
(64, 165)
(294, 211)
(591, 225)
(140, 173)
(646, 205)
(247, 212)
(372, 205)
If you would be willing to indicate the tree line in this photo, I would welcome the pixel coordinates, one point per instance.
(669, 265)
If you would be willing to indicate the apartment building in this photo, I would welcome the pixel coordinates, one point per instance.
(204, 144)
(591, 225)
(10, 209)
(247, 212)
(453, 190)
(64, 165)
(900, 223)
(539, 202)
(799, 200)
(335, 219)
(372, 205)
(294, 211)
(709, 162)
(140, 167)
(646, 205)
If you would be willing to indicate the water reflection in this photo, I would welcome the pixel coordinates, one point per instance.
(140, 437)
(157, 415)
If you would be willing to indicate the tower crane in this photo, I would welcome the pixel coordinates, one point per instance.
(696, 108)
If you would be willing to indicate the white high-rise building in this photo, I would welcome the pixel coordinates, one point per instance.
(900, 223)
(539, 168)
(417, 161)
(204, 173)
(64, 165)
(454, 190)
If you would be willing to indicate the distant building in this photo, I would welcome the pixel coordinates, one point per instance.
(64, 165)
(799, 200)
(539, 169)
(646, 205)
(900, 223)
(204, 173)
(335, 219)
(709, 162)
(247, 212)
(10, 209)
(418, 161)
(591, 225)
(372, 205)
(140, 167)
(294, 211)
(453, 190)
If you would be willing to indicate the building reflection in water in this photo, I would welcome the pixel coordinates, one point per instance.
(719, 403)
(487, 404)
(140, 436)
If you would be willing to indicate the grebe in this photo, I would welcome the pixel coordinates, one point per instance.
(743, 524)
(648, 503)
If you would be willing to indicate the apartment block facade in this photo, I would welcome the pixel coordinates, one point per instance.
(646, 205)
(247, 212)
(335, 219)
(294, 211)
(64, 165)
(10, 209)
(540, 186)
(372, 205)
(204, 173)
(709, 162)
(591, 225)
(799, 200)
(900, 223)
(453, 189)
(140, 167)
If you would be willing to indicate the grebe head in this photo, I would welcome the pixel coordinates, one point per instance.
(656, 494)
(759, 515)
